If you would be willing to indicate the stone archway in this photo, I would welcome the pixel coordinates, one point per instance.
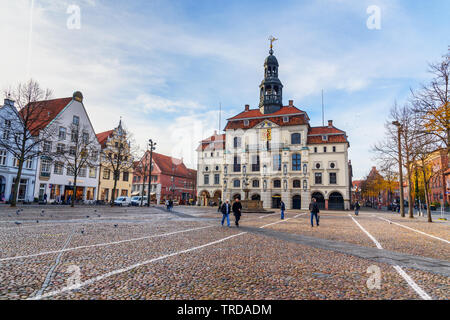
(276, 201)
(336, 201)
(256, 197)
(320, 199)
(204, 198)
(217, 197)
(237, 196)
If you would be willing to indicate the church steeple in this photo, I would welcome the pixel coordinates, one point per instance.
(271, 98)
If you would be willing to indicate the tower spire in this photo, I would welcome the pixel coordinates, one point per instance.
(270, 98)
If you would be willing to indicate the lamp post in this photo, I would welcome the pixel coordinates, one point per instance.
(152, 147)
(402, 201)
(144, 169)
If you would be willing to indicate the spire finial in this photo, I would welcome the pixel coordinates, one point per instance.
(272, 39)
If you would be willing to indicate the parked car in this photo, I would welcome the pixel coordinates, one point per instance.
(136, 201)
(122, 201)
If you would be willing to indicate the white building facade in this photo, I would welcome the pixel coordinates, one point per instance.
(9, 164)
(272, 154)
(55, 179)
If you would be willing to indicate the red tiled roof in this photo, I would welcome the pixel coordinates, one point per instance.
(215, 142)
(49, 109)
(103, 136)
(286, 110)
(172, 166)
(334, 135)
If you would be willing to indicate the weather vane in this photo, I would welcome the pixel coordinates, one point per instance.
(272, 39)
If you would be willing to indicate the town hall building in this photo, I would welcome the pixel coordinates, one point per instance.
(272, 153)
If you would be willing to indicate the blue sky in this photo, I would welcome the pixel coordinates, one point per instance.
(165, 66)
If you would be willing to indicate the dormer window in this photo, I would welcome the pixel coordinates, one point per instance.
(285, 119)
(246, 123)
(324, 138)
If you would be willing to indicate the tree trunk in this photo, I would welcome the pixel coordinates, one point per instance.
(114, 188)
(427, 201)
(410, 198)
(16, 184)
(72, 204)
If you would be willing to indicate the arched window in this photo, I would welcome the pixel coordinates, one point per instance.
(277, 183)
(296, 184)
(236, 183)
(295, 138)
(296, 163)
(237, 142)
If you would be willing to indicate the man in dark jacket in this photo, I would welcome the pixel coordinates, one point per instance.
(283, 208)
(237, 208)
(314, 209)
(226, 208)
(357, 206)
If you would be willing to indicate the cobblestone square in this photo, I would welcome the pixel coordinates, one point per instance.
(149, 253)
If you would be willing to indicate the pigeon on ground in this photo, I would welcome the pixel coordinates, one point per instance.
(37, 221)
(18, 223)
(115, 226)
(18, 212)
(87, 216)
(82, 231)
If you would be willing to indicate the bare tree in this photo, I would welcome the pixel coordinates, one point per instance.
(118, 155)
(431, 103)
(81, 155)
(25, 128)
(387, 149)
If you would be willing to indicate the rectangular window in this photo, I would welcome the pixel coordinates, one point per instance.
(47, 147)
(296, 162)
(285, 119)
(318, 178)
(60, 148)
(74, 135)
(16, 162)
(255, 163)
(333, 179)
(2, 157)
(72, 151)
(76, 120)
(334, 149)
(255, 183)
(106, 174)
(277, 162)
(45, 168)
(5, 134)
(237, 164)
(315, 149)
(85, 137)
(62, 133)
(324, 149)
(70, 171)
(58, 169)
(125, 176)
(92, 172)
(217, 178)
(83, 172)
(206, 179)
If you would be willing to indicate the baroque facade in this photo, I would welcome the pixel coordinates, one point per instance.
(272, 153)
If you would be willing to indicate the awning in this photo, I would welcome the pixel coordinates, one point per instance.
(136, 193)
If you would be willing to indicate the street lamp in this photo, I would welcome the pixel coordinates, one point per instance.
(152, 145)
(402, 202)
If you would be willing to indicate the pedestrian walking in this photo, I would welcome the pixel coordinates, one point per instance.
(314, 209)
(226, 209)
(357, 206)
(167, 205)
(283, 208)
(219, 208)
(45, 198)
(170, 204)
(237, 208)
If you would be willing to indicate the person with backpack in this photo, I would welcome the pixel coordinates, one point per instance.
(226, 209)
(237, 208)
(357, 206)
(282, 209)
(314, 209)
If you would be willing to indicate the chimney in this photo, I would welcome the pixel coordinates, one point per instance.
(247, 107)
(291, 103)
(330, 123)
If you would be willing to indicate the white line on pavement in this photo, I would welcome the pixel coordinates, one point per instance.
(401, 225)
(112, 273)
(268, 215)
(102, 244)
(269, 224)
(400, 271)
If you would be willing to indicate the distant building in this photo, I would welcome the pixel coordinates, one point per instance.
(9, 164)
(53, 177)
(109, 141)
(171, 179)
(272, 153)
